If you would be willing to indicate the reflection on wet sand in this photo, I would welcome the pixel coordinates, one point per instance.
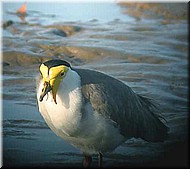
(149, 54)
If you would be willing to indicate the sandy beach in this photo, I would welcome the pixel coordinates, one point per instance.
(145, 45)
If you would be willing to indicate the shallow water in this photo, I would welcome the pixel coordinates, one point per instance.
(149, 56)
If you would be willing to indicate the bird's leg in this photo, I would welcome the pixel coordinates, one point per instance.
(100, 159)
(87, 161)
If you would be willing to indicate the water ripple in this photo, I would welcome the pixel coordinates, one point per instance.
(30, 124)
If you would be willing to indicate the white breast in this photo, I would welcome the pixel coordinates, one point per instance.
(65, 115)
(91, 134)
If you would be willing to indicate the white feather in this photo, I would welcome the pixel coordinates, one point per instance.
(91, 134)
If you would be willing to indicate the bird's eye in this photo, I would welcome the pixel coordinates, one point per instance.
(62, 74)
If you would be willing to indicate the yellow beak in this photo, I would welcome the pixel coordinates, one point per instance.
(50, 85)
(47, 88)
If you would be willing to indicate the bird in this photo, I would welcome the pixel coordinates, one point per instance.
(93, 111)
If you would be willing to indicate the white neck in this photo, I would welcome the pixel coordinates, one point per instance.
(66, 114)
(69, 88)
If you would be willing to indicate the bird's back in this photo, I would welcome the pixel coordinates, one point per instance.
(135, 115)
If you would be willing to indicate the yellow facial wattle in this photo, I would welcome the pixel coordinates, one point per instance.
(52, 78)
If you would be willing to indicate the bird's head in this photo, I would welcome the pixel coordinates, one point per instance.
(53, 72)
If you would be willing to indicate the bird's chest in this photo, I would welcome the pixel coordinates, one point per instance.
(63, 117)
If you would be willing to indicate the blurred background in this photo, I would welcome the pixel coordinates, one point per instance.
(143, 44)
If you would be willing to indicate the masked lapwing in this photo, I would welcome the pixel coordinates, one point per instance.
(94, 111)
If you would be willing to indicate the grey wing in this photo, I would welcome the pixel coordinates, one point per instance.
(135, 115)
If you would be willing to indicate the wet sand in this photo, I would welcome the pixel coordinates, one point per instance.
(149, 53)
(167, 11)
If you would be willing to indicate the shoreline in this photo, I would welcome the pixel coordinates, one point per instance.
(165, 10)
